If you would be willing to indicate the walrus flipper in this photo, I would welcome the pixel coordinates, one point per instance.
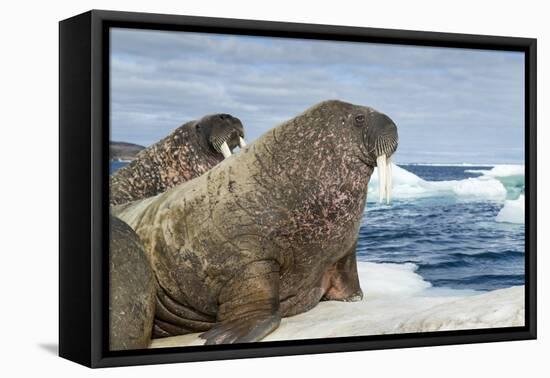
(341, 281)
(249, 306)
(132, 290)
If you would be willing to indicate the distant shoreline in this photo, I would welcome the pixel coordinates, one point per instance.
(123, 151)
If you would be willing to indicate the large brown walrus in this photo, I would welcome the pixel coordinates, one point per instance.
(188, 152)
(267, 233)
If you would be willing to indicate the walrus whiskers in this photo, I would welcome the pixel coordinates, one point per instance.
(220, 142)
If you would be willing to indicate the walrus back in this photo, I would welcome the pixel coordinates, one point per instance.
(173, 160)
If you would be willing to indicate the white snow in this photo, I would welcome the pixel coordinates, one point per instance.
(513, 211)
(396, 300)
(502, 170)
(452, 164)
(407, 185)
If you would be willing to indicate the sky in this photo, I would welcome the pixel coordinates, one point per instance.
(450, 105)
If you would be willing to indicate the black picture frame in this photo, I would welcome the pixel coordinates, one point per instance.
(83, 229)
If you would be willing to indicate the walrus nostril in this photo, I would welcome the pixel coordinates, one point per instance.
(224, 116)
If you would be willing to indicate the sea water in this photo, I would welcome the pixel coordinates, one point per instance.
(462, 226)
(116, 164)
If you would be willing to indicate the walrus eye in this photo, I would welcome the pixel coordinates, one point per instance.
(198, 126)
(359, 120)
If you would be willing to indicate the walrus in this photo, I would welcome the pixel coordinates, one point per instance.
(269, 232)
(188, 152)
(132, 289)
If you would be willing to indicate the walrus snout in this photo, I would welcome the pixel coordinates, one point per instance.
(382, 134)
(227, 141)
(225, 133)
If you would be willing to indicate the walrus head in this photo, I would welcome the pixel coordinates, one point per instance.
(379, 142)
(220, 133)
(361, 133)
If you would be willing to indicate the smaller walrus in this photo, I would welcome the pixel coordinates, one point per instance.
(188, 152)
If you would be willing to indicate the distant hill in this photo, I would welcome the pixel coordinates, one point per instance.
(124, 151)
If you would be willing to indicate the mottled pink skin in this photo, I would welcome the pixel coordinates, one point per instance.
(181, 156)
(265, 234)
(310, 192)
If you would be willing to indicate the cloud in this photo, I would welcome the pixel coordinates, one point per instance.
(443, 100)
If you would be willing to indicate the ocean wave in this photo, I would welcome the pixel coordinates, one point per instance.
(445, 265)
(489, 255)
(464, 260)
(492, 281)
(407, 185)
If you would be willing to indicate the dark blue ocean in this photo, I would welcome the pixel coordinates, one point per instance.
(445, 219)
(450, 222)
(114, 165)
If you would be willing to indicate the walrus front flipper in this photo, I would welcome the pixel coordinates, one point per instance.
(249, 306)
(132, 290)
(341, 281)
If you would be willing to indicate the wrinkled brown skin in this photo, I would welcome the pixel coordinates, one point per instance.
(133, 288)
(183, 155)
(266, 234)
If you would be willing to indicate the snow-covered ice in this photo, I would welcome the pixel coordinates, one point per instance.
(396, 300)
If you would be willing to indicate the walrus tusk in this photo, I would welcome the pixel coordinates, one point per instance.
(381, 164)
(389, 182)
(224, 148)
(242, 143)
(384, 178)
